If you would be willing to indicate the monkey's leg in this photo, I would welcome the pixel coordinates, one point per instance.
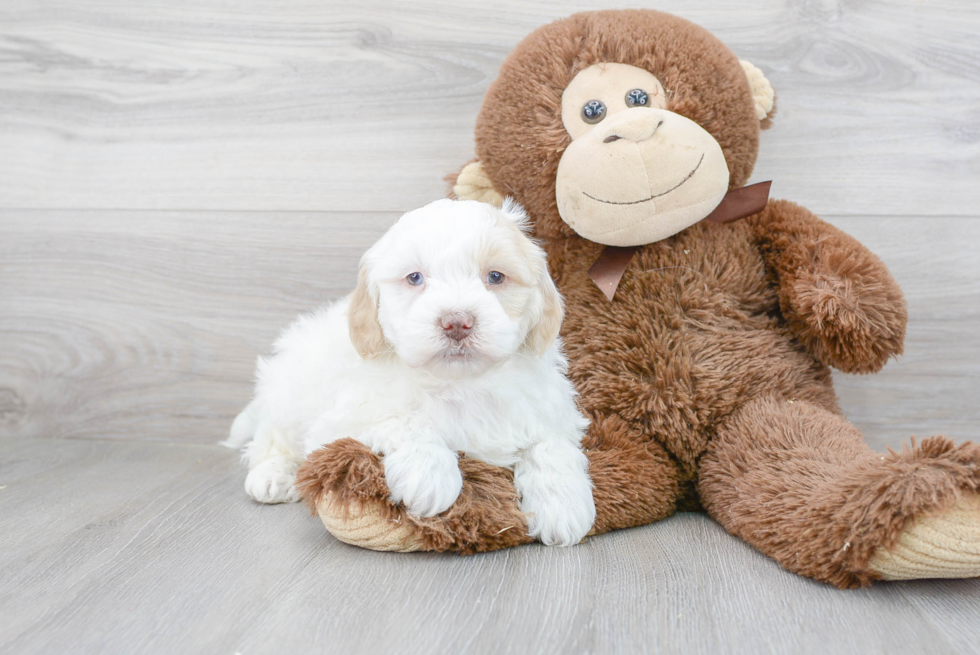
(634, 482)
(344, 483)
(799, 483)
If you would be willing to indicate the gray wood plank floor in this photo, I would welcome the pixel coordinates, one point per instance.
(120, 546)
(179, 179)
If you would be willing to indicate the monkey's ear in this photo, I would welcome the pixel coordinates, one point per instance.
(472, 183)
(362, 319)
(762, 92)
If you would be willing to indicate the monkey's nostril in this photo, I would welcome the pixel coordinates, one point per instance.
(611, 138)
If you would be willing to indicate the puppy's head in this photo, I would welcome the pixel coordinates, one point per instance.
(455, 287)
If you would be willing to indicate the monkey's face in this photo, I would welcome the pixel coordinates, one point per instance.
(635, 172)
(623, 126)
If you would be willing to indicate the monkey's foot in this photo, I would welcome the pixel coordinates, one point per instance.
(943, 545)
(364, 525)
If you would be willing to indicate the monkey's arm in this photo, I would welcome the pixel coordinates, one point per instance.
(838, 297)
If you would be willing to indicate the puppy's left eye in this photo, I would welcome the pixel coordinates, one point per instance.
(415, 279)
(495, 277)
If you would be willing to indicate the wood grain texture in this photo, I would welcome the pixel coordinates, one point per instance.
(184, 562)
(933, 387)
(146, 325)
(341, 106)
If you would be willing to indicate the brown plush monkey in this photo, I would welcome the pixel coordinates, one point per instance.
(706, 376)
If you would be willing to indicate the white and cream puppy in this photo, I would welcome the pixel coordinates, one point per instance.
(448, 344)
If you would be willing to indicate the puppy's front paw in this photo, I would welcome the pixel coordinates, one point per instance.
(425, 478)
(559, 517)
(272, 481)
(556, 494)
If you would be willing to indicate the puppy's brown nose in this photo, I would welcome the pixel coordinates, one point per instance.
(457, 325)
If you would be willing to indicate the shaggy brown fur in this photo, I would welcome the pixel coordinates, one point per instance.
(709, 370)
(798, 483)
(484, 518)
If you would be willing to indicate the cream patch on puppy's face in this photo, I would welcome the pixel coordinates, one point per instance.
(455, 288)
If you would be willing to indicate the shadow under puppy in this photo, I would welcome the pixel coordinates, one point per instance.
(448, 344)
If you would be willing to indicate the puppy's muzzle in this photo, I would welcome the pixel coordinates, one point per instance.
(457, 325)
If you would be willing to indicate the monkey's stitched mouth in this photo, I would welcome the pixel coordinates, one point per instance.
(637, 202)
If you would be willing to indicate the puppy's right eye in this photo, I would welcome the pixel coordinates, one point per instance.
(415, 279)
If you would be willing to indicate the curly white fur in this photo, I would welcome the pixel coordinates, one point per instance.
(382, 366)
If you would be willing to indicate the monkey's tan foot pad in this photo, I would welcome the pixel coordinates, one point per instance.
(365, 527)
(944, 545)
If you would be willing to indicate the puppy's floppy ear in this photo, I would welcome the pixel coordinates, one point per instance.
(362, 319)
(543, 333)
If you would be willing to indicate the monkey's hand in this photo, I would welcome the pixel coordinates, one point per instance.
(838, 298)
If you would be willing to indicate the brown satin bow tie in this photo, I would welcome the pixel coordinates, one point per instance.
(609, 268)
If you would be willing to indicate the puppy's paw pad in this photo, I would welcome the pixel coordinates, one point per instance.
(272, 481)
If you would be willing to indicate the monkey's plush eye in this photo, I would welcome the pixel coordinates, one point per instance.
(415, 279)
(495, 277)
(637, 98)
(593, 111)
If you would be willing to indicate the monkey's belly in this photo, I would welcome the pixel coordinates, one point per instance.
(680, 380)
